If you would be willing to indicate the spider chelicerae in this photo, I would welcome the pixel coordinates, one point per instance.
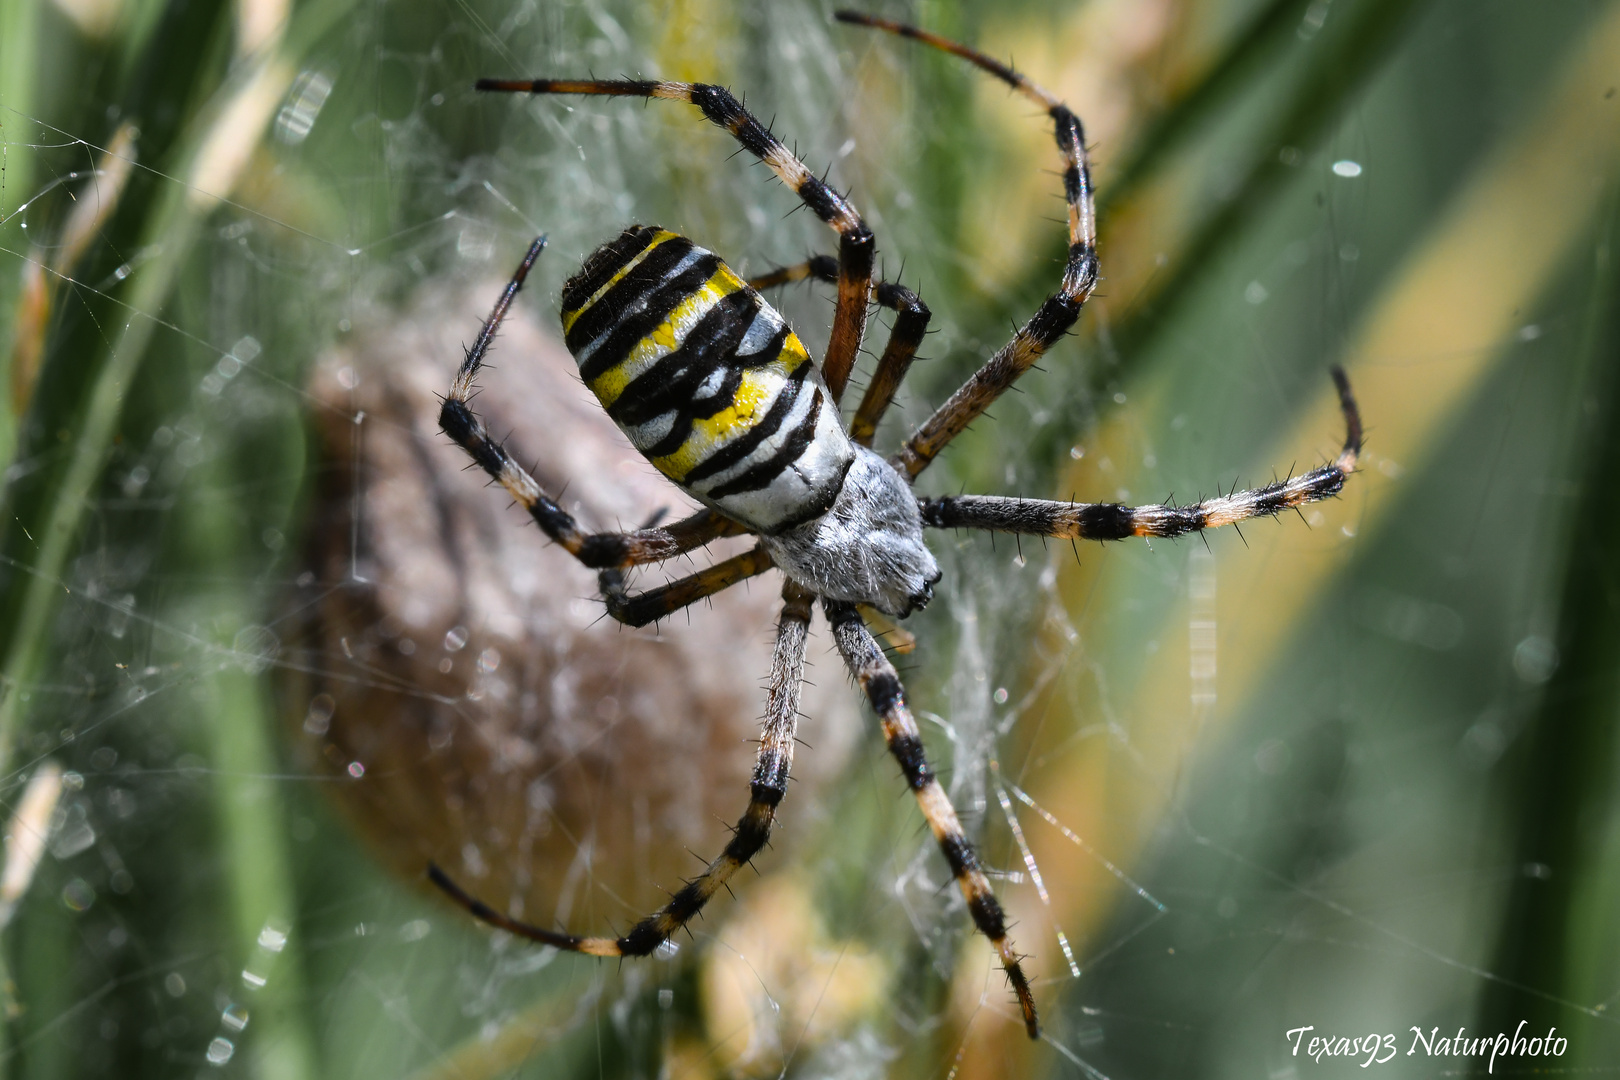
(712, 386)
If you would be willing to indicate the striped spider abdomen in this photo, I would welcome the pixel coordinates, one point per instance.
(706, 379)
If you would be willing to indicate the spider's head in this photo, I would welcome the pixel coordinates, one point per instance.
(919, 599)
(868, 548)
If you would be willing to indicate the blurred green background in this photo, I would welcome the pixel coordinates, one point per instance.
(1355, 772)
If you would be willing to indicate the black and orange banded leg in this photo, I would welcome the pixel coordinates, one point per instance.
(611, 550)
(910, 324)
(871, 668)
(772, 766)
(816, 267)
(1059, 312)
(857, 248)
(639, 609)
(1111, 521)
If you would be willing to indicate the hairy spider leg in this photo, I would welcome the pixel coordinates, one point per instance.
(910, 324)
(609, 550)
(642, 608)
(819, 267)
(1111, 521)
(857, 247)
(1058, 312)
(772, 766)
(871, 668)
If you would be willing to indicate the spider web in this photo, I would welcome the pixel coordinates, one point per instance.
(1227, 790)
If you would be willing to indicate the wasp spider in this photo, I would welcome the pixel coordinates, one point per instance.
(712, 386)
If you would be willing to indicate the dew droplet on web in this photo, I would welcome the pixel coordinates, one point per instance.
(220, 1051)
(233, 1017)
(318, 718)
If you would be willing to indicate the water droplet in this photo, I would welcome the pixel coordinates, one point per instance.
(256, 648)
(233, 1017)
(1535, 659)
(319, 717)
(78, 895)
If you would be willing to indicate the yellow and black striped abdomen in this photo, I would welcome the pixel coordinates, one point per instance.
(706, 379)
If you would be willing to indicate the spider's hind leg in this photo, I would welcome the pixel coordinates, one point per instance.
(772, 766)
(819, 267)
(609, 550)
(910, 324)
(1060, 311)
(639, 609)
(857, 247)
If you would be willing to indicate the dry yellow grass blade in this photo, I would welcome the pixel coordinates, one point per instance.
(515, 1041)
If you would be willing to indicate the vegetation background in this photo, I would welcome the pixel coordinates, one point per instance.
(1355, 772)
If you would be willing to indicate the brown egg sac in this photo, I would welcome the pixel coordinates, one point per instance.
(461, 679)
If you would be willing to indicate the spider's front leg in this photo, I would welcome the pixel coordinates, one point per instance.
(879, 680)
(769, 784)
(609, 550)
(1111, 521)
